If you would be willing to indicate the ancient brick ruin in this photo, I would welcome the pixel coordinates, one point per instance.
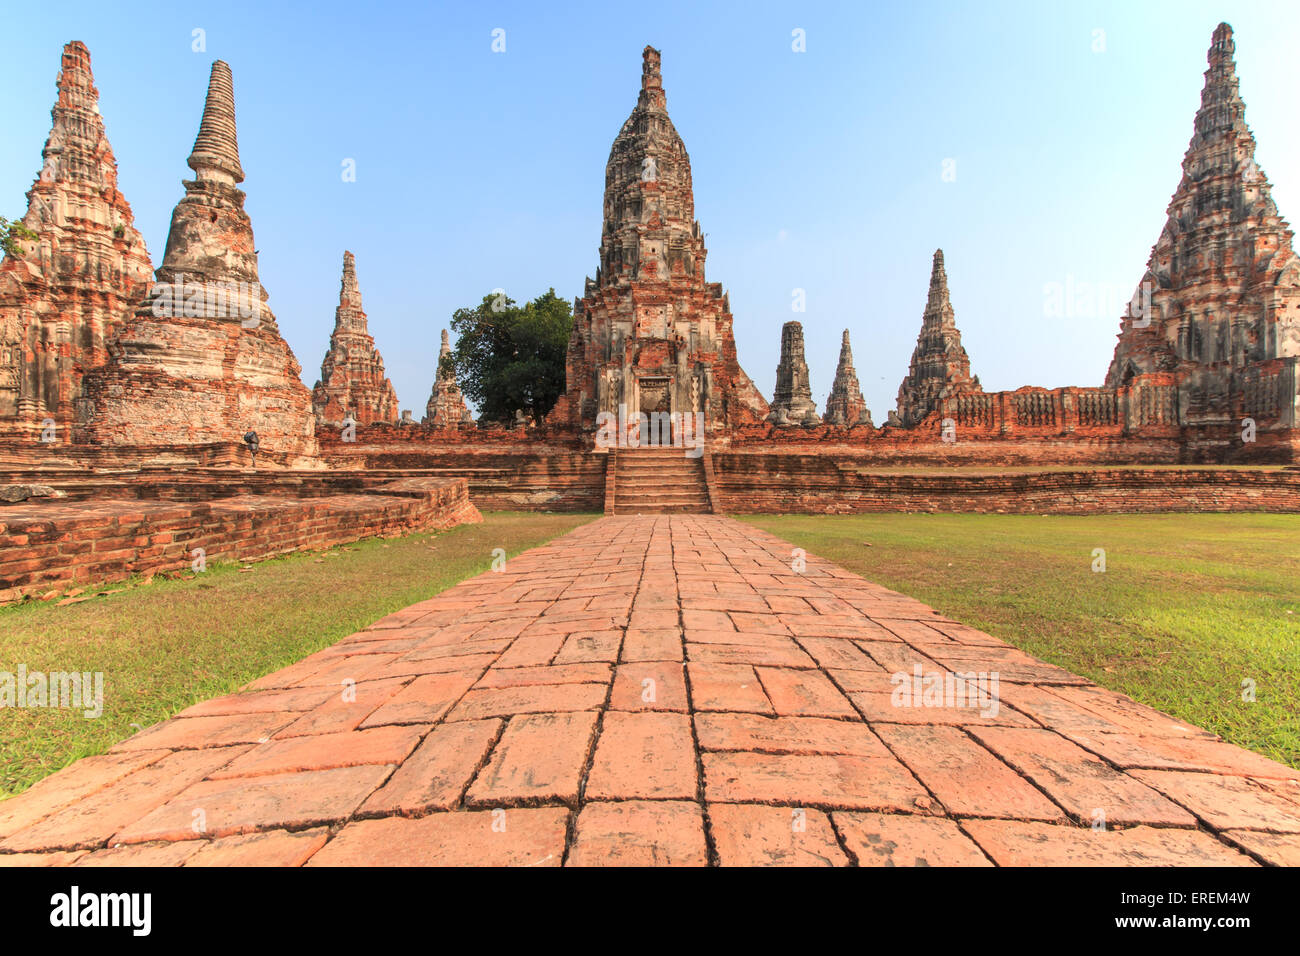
(352, 382)
(1219, 306)
(446, 406)
(202, 360)
(940, 367)
(792, 402)
(147, 382)
(845, 404)
(64, 298)
(651, 335)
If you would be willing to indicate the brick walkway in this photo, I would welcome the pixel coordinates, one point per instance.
(544, 715)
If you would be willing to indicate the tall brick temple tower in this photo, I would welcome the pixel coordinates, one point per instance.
(845, 404)
(650, 333)
(63, 298)
(352, 380)
(1219, 304)
(940, 366)
(202, 361)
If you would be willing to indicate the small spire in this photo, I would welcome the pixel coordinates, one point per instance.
(349, 291)
(1221, 45)
(74, 73)
(446, 345)
(845, 350)
(652, 83)
(217, 146)
(938, 297)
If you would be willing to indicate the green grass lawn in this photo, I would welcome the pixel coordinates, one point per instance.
(1188, 607)
(172, 643)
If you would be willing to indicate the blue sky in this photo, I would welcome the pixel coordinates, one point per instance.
(821, 170)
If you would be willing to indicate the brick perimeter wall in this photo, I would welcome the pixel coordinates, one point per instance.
(52, 544)
(819, 484)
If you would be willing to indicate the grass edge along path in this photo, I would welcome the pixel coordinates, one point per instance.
(175, 642)
(1193, 614)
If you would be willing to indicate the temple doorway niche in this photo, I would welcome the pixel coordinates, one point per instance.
(656, 399)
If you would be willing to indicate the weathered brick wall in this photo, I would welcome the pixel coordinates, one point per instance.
(502, 474)
(834, 484)
(53, 544)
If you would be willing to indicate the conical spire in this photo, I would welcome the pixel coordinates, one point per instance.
(845, 405)
(446, 345)
(217, 146)
(446, 406)
(63, 295)
(940, 365)
(938, 305)
(349, 291)
(652, 81)
(1212, 284)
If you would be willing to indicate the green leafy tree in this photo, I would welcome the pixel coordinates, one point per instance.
(12, 234)
(510, 356)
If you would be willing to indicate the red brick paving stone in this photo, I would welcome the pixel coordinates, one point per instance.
(436, 665)
(898, 657)
(902, 839)
(879, 707)
(788, 735)
(497, 677)
(706, 621)
(787, 605)
(841, 626)
(647, 755)
(323, 751)
(654, 618)
(540, 757)
(727, 687)
(856, 681)
(1180, 753)
(907, 630)
(1013, 843)
(789, 654)
(964, 634)
(55, 858)
(1078, 781)
(865, 783)
(778, 642)
(639, 833)
(966, 778)
(805, 693)
(531, 650)
(655, 644)
(345, 711)
(148, 854)
(81, 779)
(753, 835)
(192, 733)
(436, 775)
(1277, 849)
(834, 652)
(92, 821)
(649, 685)
(1126, 712)
(315, 671)
(423, 701)
(508, 701)
(590, 646)
(272, 848)
(764, 622)
(246, 804)
(523, 837)
(1226, 803)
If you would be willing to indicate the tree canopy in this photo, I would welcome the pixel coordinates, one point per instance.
(509, 356)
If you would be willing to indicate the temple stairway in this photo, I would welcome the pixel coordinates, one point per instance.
(655, 481)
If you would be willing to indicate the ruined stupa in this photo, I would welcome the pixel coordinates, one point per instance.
(352, 381)
(446, 404)
(67, 293)
(940, 366)
(650, 334)
(845, 405)
(1219, 304)
(792, 402)
(202, 360)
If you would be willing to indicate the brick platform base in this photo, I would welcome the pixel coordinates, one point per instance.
(663, 691)
(49, 543)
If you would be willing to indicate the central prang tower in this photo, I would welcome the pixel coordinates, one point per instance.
(650, 333)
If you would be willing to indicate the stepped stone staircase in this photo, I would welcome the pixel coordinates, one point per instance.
(658, 481)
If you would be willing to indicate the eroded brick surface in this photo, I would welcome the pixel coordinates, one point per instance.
(551, 714)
